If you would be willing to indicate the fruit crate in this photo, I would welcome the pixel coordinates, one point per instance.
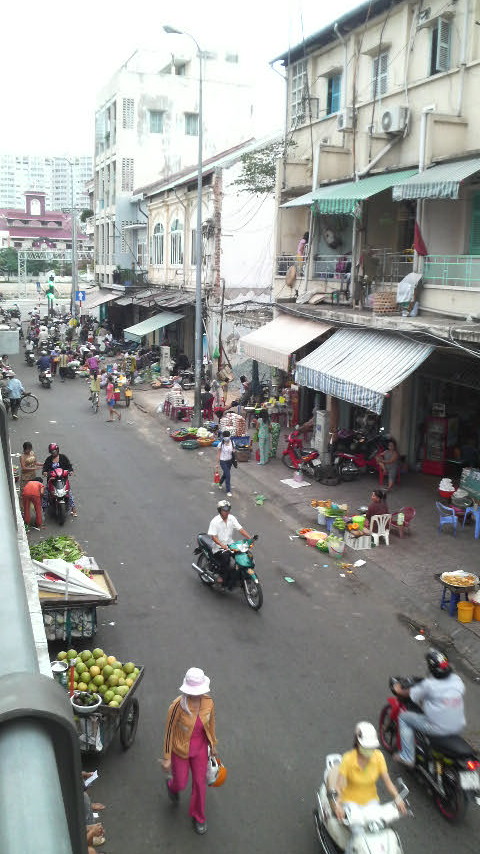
(97, 731)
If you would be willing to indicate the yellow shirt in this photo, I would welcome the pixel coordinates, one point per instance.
(361, 782)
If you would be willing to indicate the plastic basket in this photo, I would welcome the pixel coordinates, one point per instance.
(336, 549)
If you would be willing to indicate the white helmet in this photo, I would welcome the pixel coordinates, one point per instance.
(224, 505)
(366, 735)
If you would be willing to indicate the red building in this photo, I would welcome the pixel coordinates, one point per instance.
(37, 228)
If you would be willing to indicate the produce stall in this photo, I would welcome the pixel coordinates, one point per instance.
(102, 693)
(71, 587)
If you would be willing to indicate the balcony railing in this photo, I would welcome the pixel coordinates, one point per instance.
(380, 265)
(458, 271)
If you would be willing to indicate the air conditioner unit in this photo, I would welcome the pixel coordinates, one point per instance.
(345, 120)
(394, 120)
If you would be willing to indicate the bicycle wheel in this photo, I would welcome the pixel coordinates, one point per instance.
(95, 402)
(29, 403)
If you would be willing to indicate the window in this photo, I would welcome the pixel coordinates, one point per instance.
(176, 242)
(380, 75)
(142, 253)
(128, 108)
(127, 174)
(475, 226)
(298, 91)
(231, 57)
(156, 121)
(193, 251)
(157, 248)
(334, 88)
(440, 53)
(191, 124)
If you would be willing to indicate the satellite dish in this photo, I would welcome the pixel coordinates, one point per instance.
(291, 276)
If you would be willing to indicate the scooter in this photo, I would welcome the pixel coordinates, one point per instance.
(447, 764)
(294, 455)
(45, 378)
(365, 829)
(30, 358)
(58, 490)
(244, 577)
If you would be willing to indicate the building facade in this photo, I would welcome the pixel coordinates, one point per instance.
(49, 175)
(147, 129)
(36, 227)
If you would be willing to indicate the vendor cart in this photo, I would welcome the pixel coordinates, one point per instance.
(96, 731)
(75, 616)
(123, 393)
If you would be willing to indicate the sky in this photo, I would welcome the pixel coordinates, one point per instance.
(55, 57)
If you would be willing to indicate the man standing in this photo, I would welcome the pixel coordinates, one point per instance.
(14, 390)
(33, 491)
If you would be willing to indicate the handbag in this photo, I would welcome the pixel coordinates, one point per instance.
(234, 460)
(216, 771)
(216, 476)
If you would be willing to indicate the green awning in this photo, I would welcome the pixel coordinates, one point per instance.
(137, 332)
(344, 198)
(438, 182)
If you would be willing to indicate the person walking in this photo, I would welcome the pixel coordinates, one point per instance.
(111, 401)
(15, 390)
(226, 458)
(263, 430)
(33, 491)
(62, 365)
(189, 733)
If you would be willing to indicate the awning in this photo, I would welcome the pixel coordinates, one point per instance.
(300, 201)
(361, 367)
(275, 342)
(158, 321)
(344, 198)
(98, 299)
(438, 182)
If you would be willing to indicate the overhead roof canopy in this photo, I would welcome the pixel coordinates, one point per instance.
(438, 182)
(158, 321)
(99, 298)
(274, 343)
(344, 198)
(361, 367)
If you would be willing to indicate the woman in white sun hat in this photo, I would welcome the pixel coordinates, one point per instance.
(189, 732)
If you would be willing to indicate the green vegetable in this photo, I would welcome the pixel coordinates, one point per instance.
(56, 547)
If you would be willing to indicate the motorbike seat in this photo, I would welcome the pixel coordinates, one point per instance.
(452, 745)
(206, 542)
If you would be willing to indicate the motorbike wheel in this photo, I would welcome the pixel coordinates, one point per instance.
(253, 593)
(309, 471)
(127, 401)
(29, 403)
(287, 461)
(330, 476)
(347, 474)
(95, 403)
(453, 804)
(61, 513)
(203, 564)
(387, 729)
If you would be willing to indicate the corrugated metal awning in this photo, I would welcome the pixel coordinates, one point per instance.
(274, 343)
(361, 367)
(344, 198)
(438, 182)
(158, 321)
(98, 299)
(300, 201)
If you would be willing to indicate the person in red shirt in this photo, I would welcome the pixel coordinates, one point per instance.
(33, 491)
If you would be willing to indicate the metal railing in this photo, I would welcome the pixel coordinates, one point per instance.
(380, 265)
(41, 802)
(459, 271)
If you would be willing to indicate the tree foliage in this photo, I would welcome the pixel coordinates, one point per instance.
(259, 169)
(9, 260)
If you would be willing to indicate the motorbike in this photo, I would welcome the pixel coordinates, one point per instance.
(365, 829)
(447, 764)
(58, 491)
(45, 378)
(71, 369)
(30, 358)
(245, 576)
(295, 455)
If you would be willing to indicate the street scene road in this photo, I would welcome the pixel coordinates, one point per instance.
(289, 682)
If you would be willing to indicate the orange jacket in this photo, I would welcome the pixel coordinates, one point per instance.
(179, 727)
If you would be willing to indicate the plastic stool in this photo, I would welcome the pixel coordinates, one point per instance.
(451, 603)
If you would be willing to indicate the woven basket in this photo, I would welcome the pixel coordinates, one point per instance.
(384, 302)
(205, 442)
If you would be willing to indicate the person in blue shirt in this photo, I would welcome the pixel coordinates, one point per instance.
(15, 390)
(43, 363)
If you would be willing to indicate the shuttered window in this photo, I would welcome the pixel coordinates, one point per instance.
(127, 174)
(440, 53)
(475, 226)
(380, 75)
(128, 107)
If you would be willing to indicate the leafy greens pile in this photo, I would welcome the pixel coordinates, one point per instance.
(57, 547)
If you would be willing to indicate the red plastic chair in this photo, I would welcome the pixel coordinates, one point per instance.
(409, 514)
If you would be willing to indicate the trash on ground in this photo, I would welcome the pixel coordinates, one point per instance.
(419, 637)
(260, 500)
(288, 579)
(295, 484)
(360, 563)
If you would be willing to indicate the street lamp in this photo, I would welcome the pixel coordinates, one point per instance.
(197, 408)
(74, 287)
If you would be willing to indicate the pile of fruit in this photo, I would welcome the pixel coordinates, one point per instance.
(101, 674)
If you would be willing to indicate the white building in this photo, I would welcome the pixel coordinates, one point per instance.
(22, 173)
(147, 129)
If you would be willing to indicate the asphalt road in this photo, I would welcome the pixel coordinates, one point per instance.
(289, 682)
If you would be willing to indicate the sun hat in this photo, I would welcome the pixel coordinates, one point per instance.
(195, 682)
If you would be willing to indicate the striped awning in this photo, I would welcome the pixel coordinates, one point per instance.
(299, 202)
(361, 367)
(438, 182)
(344, 198)
(274, 343)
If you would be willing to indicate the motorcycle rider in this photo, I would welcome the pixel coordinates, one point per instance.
(53, 461)
(43, 362)
(221, 530)
(359, 771)
(441, 698)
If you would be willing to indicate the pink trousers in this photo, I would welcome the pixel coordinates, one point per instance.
(196, 763)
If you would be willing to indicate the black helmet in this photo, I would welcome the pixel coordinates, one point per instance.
(437, 663)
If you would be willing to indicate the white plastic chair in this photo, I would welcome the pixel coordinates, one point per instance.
(382, 524)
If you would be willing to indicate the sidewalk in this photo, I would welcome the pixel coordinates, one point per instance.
(407, 567)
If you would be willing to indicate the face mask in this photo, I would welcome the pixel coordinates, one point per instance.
(367, 752)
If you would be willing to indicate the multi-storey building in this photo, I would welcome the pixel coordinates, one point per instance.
(36, 227)
(147, 124)
(49, 175)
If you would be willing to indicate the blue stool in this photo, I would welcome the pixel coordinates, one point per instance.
(476, 514)
(450, 604)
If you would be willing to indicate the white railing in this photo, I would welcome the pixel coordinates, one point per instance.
(459, 271)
